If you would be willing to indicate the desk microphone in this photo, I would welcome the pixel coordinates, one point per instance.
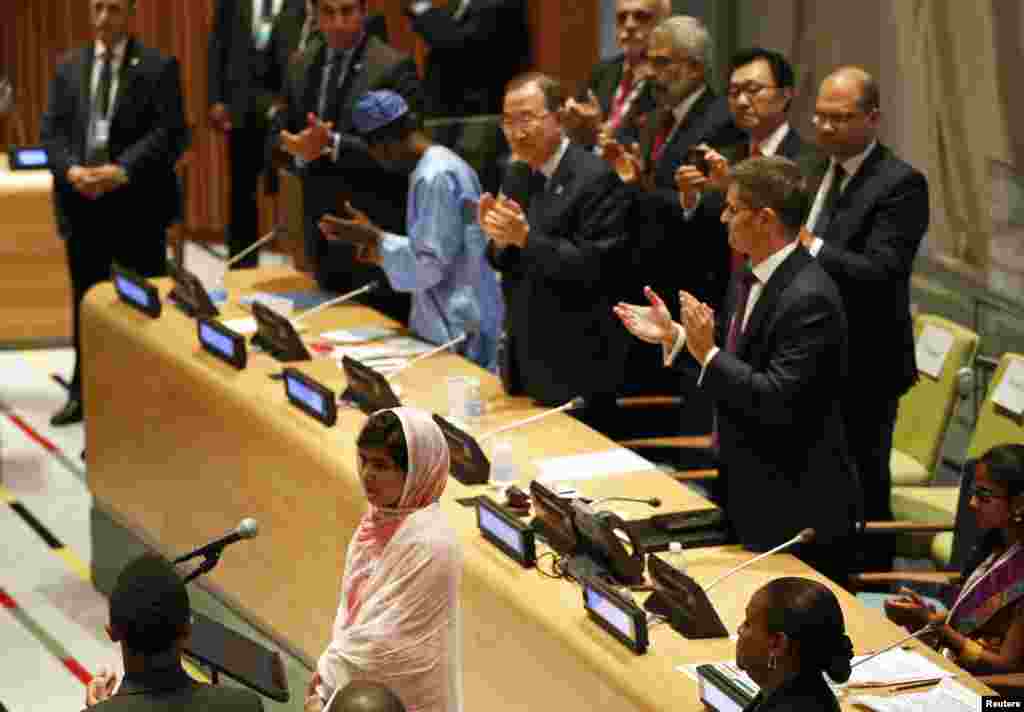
(803, 537)
(470, 330)
(651, 502)
(263, 240)
(247, 529)
(930, 628)
(368, 287)
(577, 402)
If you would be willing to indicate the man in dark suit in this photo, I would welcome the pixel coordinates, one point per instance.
(114, 128)
(245, 79)
(149, 617)
(761, 88)
(618, 92)
(869, 215)
(781, 349)
(476, 47)
(316, 129)
(560, 257)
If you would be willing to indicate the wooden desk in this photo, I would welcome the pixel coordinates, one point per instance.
(35, 289)
(183, 447)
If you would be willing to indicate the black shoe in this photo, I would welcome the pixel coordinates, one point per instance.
(70, 413)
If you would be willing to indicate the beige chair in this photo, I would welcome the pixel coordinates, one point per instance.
(995, 426)
(927, 407)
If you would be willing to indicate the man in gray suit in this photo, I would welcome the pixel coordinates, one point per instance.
(149, 617)
(245, 77)
(343, 64)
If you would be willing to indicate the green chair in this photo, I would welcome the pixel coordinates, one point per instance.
(927, 407)
(936, 505)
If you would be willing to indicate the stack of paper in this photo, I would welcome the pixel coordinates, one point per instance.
(948, 696)
(591, 465)
(895, 667)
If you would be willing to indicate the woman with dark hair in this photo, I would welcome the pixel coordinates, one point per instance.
(984, 630)
(793, 632)
(396, 622)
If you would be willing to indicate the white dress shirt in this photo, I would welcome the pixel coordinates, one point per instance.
(551, 165)
(763, 271)
(851, 165)
(257, 10)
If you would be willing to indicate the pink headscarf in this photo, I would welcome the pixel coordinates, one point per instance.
(425, 480)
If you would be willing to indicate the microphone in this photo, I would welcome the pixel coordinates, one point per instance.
(368, 287)
(516, 183)
(651, 502)
(803, 537)
(930, 628)
(577, 402)
(266, 238)
(246, 529)
(470, 330)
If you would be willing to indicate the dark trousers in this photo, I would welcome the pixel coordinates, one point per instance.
(869, 424)
(245, 154)
(96, 242)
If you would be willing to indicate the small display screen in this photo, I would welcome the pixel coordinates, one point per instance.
(32, 157)
(501, 530)
(610, 613)
(224, 345)
(304, 394)
(132, 291)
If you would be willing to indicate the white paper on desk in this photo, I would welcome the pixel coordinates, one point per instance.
(949, 696)
(205, 265)
(1009, 392)
(400, 347)
(244, 326)
(358, 335)
(932, 348)
(894, 667)
(591, 465)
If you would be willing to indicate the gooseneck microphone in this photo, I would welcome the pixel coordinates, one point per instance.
(470, 330)
(930, 628)
(262, 241)
(651, 502)
(246, 529)
(577, 402)
(803, 537)
(368, 287)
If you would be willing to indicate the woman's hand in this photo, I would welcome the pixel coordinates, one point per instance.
(909, 610)
(101, 687)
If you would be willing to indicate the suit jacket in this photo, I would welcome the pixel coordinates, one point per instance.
(355, 175)
(561, 287)
(604, 82)
(869, 250)
(473, 57)
(665, 256)
(805, 693)
(782, 450)
(171, 689)
(148, 135)
(239, 75)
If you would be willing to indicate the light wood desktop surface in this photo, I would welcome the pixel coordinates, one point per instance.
(181, 447)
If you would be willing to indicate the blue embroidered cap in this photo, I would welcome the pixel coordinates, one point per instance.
(377, 109)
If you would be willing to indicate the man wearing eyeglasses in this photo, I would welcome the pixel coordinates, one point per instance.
(761, 89)
(869, 214)
(561, 257)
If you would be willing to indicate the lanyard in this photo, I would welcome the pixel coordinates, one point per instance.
(973, 582)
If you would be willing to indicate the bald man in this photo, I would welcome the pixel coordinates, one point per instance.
(361, 696)
(869, 214)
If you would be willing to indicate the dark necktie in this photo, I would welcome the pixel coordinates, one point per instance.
(744, 282)
(267, 13)
(103, 88)
(828, 208)
(330, 98)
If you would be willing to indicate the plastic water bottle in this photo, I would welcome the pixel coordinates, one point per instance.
(504, 471)
(674, 556)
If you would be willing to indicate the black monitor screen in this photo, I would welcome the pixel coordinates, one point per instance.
(303, 393)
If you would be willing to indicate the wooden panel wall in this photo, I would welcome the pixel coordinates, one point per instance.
(35, 33)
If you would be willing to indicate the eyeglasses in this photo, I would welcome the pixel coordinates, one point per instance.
(749, 90)
(820, 118)
(985, 495)
(523, 122)
(663, 62)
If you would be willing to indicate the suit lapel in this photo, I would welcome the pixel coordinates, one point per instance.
(547, 204)
(791, 145)
(767, 301)
(127, 74)
(312, 76)
(85, 86)
(848, 210)
(354, 84)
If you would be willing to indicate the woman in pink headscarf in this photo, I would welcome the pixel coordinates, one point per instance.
(396, 622)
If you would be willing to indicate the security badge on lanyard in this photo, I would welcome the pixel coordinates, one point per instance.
(261, 36)
(101, 131)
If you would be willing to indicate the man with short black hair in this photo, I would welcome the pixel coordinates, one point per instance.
(114, 128)
(150, 618)
(440, 258)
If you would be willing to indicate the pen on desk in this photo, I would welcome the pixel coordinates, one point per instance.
(914, 685)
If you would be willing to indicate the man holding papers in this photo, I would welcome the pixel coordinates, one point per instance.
(771, 364)
(440, 259)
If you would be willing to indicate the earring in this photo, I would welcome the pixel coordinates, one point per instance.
(772, 661)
